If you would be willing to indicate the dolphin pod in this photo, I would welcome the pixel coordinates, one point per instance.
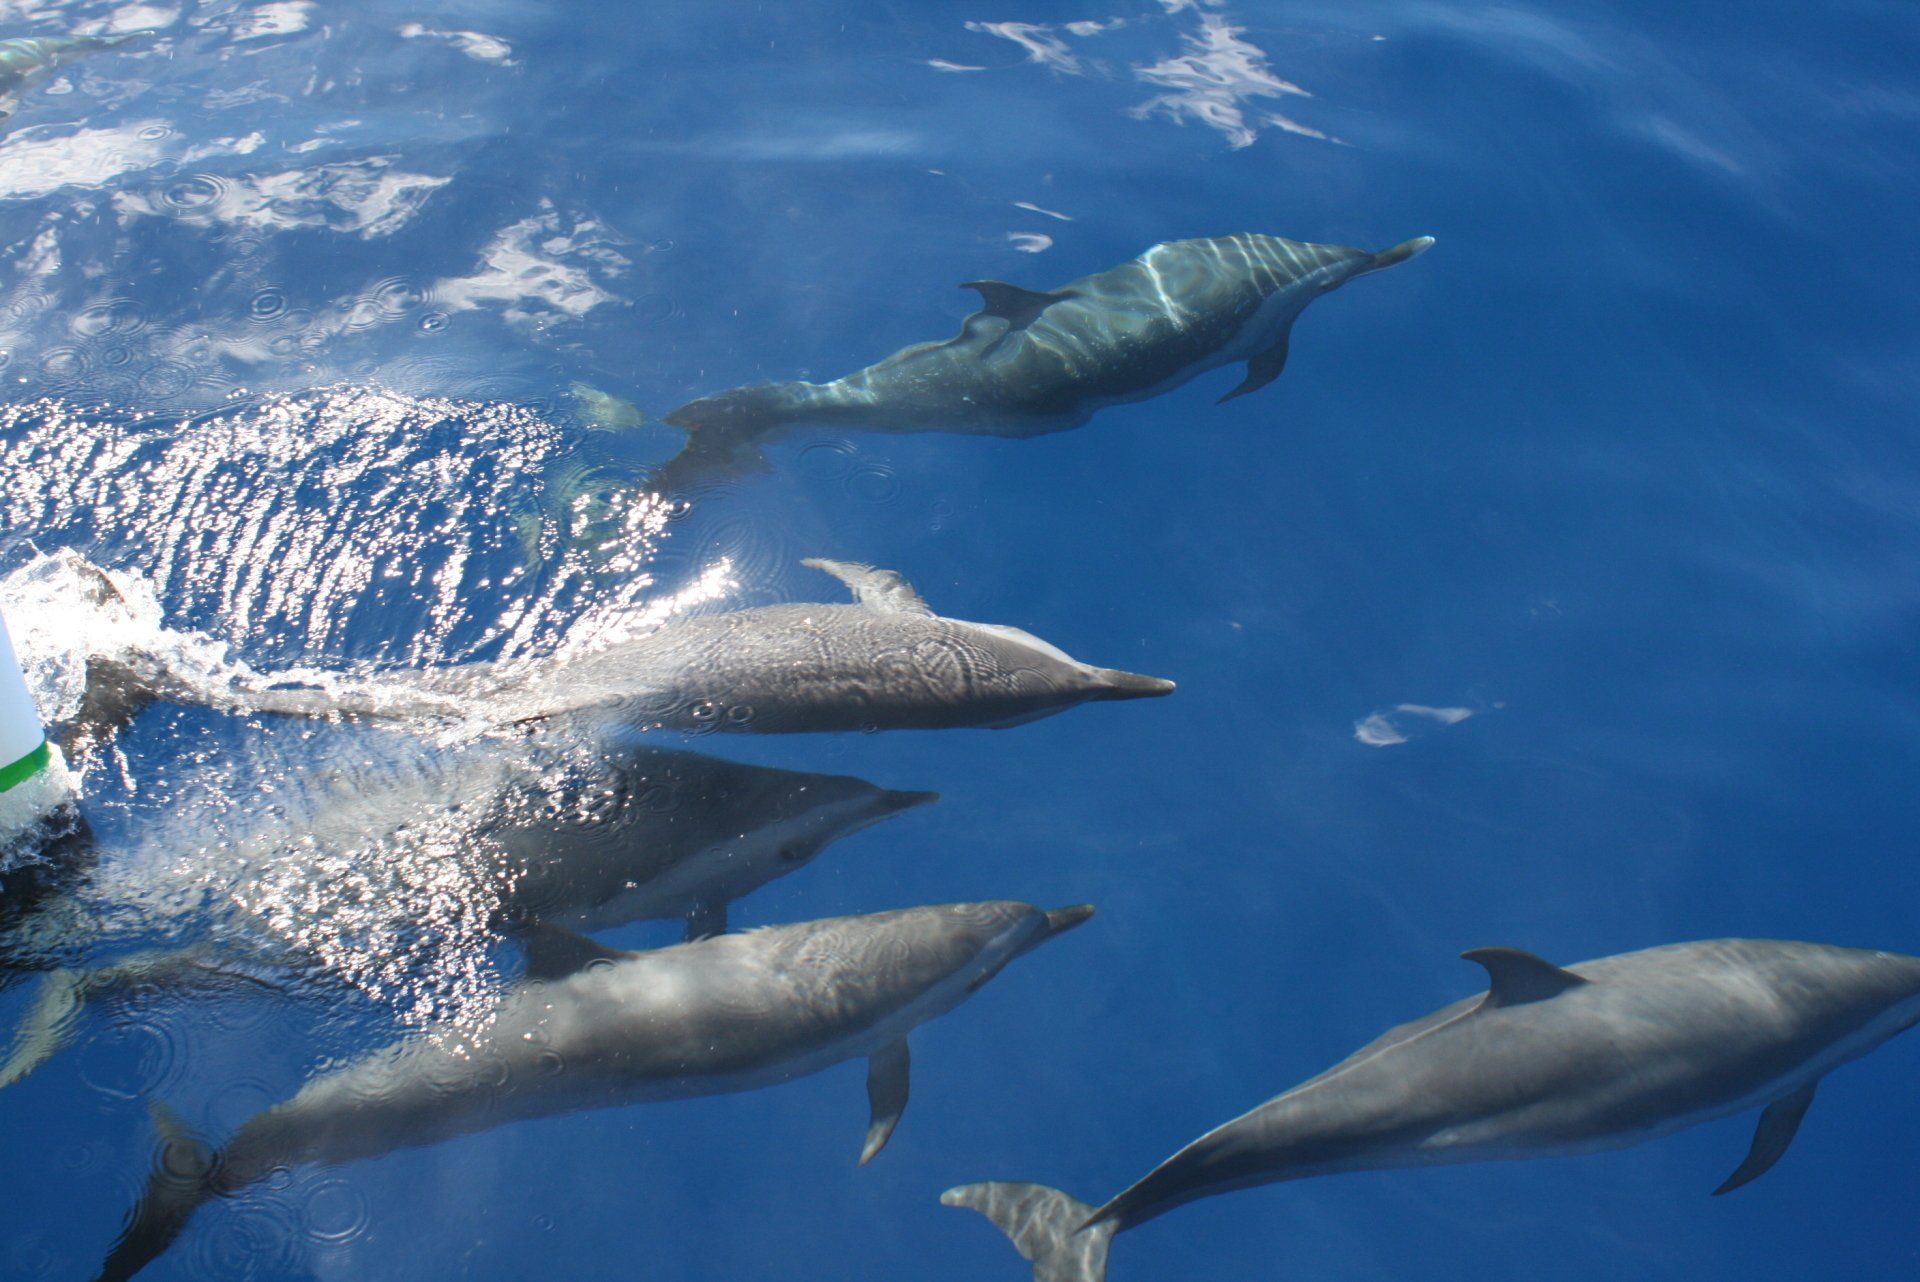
(597, 1027)
(1549, 1062)
(1031, 362)
(886, 662)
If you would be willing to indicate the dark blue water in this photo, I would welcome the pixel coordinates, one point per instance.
(1560, 595)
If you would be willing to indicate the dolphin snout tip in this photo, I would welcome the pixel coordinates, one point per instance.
(895, 801)
(1115, 684)
(1398, 254)
(1061, 920)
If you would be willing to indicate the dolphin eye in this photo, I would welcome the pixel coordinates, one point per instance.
(792, 855)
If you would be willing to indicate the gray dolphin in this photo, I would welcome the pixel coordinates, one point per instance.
(593, 833)
(601, 1028)
(1549, 1062)
(1030, 362)
(887, 662)
(24, 59)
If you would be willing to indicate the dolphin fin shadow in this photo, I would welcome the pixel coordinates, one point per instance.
(700, 465)
(707, 920)
(554, 952)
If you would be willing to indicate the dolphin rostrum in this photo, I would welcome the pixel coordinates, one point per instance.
(1031, 362)
(886, 662)
(591, 833)
(1549, 1062)
(598, 1028)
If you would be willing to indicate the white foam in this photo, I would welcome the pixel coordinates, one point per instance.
(66, 612)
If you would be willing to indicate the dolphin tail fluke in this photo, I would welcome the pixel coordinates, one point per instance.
(1045, 1225)
(702, 463)
(738, 415)
(726, 431)
(183, 1178)
(1400, 253)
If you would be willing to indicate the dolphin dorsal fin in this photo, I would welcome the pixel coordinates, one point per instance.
(554, 952)
(1516, 977)
(882, 590)
(1016, 305)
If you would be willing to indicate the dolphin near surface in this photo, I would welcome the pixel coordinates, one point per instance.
(590, 833)
(598, 1028)
(1031, 362)
(886, 662)
(1549, 1062)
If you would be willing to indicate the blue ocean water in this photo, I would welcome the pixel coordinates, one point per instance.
(1559, 595)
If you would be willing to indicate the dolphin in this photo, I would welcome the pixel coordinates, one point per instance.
(887, 662)
(1030, 362)
(591, 833)
(637, 833)
(599, 1028)
(24, 59)
(1548, 1062)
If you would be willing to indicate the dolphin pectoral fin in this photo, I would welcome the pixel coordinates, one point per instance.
(883, 590)
(1262, 369)
(554, 952)
(706, 921)
(1516, 977)
(1778, 1125)
(1018, 306)
(887, 1074)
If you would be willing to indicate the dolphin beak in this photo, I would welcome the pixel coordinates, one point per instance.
(1115, 684)
(893, 802)
(1062, 920)
(1398, 254)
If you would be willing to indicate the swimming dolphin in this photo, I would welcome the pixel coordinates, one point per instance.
(24, 59)
(624, 833)
(594, 833)
(602, 1028)
(887, 662)
(1549, 1062)
(1030, 362)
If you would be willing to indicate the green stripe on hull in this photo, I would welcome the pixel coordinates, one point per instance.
(18, 772)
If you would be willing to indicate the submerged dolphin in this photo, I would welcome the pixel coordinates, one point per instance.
(887, 662)
(593, 834)
(606, 1028)
(1550, 1062)
(24, 59)
(1031, 362)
